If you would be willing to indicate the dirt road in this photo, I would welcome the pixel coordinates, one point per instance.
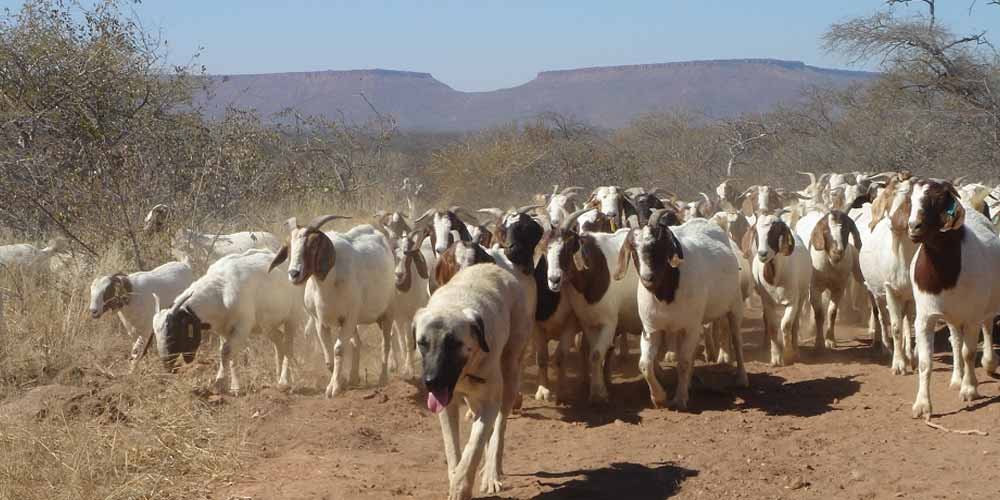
(836, 426)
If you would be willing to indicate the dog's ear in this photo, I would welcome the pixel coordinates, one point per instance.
(478, 329)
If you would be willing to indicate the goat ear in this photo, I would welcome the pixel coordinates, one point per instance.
(478, 328)
(787, 241)
(953, 217)
(628, 209)
(678, 257)
(626, 252)
(421, 264)
(323, 254)
(280, 257)
(579, 257)
(818, 237)
(853, 228)
(749, 242)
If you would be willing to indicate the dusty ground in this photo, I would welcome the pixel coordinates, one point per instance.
(830, 427)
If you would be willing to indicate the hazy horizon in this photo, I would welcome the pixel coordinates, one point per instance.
(494, 45)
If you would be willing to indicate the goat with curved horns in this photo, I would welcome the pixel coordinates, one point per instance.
(349, 282)
(443, 222)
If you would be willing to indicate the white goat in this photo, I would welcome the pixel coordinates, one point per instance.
(348, 282)
(782, 274)
(131, 297)
(678, 299)
(207, 248)
(235, 297)
(414, 257)
(25, 256)
(834, 263)
(954, 273)
(884, 259)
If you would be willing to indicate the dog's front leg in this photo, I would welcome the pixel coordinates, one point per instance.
(465, 473)
(449, 431)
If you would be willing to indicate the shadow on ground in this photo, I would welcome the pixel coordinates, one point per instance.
(619, 480)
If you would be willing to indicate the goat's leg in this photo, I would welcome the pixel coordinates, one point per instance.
(734, 320)
(235, 344)
(875, 325)
(600, 344)
(649, 346)
(957, 339)
(836, 296)
(685, 365)
(924, 331)
(989, 356)
(544, 393)
(970, 337)
(711, 343)
(819, 316)
(385, 325)
(355, 344)
(788, 329)
(895, 307)
(771, 335)
(562, 352)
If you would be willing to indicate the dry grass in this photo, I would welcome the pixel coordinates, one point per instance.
(74, 424)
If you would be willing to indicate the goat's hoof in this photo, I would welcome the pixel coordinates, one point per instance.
(677, 404)
(543, 394)
(921, 409)
(898, 367)
(742, 380)
(333, 391)
(660, 403)
(969, 394)
(490, 483)
(831, 344)
(235, 392)
(670, 357)
(990, 366)
(956, 381)
(599, 400)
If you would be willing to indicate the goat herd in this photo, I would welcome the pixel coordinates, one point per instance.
(917, 251)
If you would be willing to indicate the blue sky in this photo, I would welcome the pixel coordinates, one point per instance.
(485, 45)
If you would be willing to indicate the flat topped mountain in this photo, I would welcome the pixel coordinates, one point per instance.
(608, 96)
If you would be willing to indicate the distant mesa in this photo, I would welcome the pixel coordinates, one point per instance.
(608, 96)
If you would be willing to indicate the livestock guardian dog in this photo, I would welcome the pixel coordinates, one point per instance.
(471, 336)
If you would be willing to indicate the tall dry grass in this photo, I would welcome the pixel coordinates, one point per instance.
(75, 424)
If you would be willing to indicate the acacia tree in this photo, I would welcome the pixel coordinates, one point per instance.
(958, 74)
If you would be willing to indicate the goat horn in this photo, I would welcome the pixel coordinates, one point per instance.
(959, 180)
(664, 193)
(812, 177)
(572, 189)
(527, 208)
(428, 213)
(632, 192)
(567, 223)
(654, 218)
(495, 212)
(707, 199)
(462, 212)
(323, 219)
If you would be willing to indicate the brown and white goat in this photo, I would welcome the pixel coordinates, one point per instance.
(834, 263)
(954, 273)
(579, 266)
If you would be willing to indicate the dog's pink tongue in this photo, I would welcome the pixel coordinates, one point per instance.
(437, 402)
